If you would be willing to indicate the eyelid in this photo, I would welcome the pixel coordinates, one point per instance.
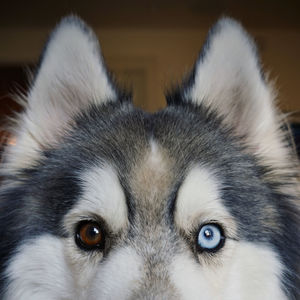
(88, 217)
(227, 224)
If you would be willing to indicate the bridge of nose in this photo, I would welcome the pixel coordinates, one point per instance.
(151, 182)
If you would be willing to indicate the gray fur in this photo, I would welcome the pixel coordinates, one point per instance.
(120, 135)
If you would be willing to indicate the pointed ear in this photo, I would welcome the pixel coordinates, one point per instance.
(72, 76)
(228, 80)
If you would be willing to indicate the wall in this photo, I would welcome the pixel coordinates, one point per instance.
(151, 60)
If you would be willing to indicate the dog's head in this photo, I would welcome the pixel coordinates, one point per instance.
(103, 201)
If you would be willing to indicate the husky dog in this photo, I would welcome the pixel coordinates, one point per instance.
(101, 200)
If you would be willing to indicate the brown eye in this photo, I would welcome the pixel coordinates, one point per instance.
(89, 236)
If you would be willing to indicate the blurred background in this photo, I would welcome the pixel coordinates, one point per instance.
(150, 45)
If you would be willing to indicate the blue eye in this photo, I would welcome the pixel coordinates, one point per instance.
(210, 238)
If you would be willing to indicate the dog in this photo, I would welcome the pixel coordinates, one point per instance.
(100, 200)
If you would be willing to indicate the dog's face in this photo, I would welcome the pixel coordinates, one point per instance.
(104, 201)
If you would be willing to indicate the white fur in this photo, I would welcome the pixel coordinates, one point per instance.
(42, 269)
(39, 271)
(102, 195)
(247, 272)
(118, 276)
(241, 270)
(198, 201)
(228, 81)
(70, 79)
(52, 268)
(155, 158)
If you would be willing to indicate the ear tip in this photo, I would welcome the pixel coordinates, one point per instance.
(228, 21)
(72, 24)
(71, 29)
(227, 26)
(71, 39)
(70, 32)
(72, 21)
(229, 36)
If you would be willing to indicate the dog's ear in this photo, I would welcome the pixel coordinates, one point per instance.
(228, 80)
(71, 77)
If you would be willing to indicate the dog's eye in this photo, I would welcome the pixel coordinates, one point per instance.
(210, 238)
(89, 235)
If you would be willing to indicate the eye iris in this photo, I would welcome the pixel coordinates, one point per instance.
(210, 237)
(90, 234)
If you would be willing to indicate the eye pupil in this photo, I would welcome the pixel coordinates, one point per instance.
(208, 233)
(91, 233)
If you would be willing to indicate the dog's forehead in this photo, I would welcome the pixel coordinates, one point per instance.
(151, 177)
(151, 154)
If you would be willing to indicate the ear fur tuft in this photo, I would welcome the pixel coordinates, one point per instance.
(71, 78)
(228, 80)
